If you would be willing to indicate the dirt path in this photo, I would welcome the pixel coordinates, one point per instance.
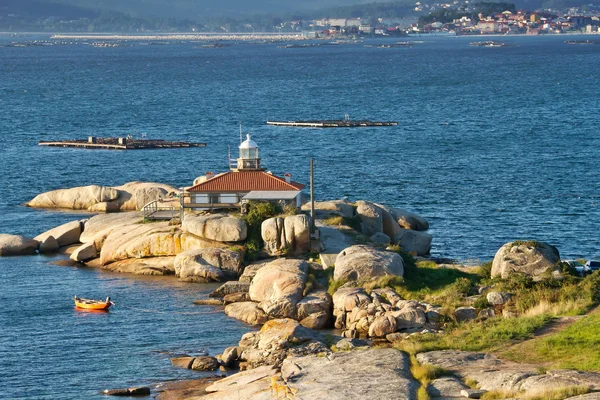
(555, 326)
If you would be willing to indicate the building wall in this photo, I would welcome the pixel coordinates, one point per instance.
(228, 198)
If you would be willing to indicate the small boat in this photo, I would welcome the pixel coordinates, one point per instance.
(87, 304)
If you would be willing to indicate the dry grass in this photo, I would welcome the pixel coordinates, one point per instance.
(567, 307)
(576, 347)
(498, 394)
(424, 373)
(550, 394)
(559, 394)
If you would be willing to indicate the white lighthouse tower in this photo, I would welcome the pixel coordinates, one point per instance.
(248, 159)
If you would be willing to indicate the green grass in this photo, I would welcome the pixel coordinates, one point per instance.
(530, 243)
(424, 373)
(488, 335)
(576, 294)
(259, 212)
(576, 347)
(339, 221)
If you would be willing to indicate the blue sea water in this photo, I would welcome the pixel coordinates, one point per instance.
(494, 144)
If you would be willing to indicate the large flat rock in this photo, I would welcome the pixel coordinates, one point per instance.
(334, 242)
(493, 373)
(14, 245)
(370, 374)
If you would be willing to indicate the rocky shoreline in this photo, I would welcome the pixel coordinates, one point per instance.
(354, 280)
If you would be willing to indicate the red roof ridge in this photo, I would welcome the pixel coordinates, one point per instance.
(245, 181)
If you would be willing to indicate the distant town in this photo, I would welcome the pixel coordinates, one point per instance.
(452, 19)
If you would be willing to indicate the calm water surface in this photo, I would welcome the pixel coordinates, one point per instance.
(494, 144)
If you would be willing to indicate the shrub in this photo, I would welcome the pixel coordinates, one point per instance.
(335, 285)
(387, 281)
(481, 303)
(530, 243)
(259, 212)
(338, 220)
(485, 270)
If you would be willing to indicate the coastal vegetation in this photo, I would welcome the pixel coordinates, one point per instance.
(575, 347)
(258, 213)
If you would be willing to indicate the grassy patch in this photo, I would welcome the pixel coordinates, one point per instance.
(334, 285)
(472, 383)
(576, 347)
(550, 394)
(425, 279)
(529, 243)
(424, 373)
(341, 222)
(570, 295)
(488, 335)
(560, 393)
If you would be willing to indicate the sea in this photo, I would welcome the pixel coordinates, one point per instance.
(493, 145)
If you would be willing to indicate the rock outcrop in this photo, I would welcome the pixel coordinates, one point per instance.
(446, 387)
(65, 235)
(361, 262)
(408, 220)
(278, 287)
(278, 339)
(77, 198)
(286, 236)
(273, 235)
(150, 240)
(14, 245)
(217, 227)
(128, 197)
(206, 265)
(369, 374)
(414, 241)
(48, 245)
(97, 228)
(231, 288)
(84, 252)
(314, 310)
(157, 266)
(492, 373)
(253, 384)
(531, 258)
(380, 314)
(247, 311)
(354, 375)
(333, 207)
(399, 226)
(371, 217)
(297, 233)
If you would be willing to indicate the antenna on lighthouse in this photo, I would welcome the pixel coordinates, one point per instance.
(241, 135)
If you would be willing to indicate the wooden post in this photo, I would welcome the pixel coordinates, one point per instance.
(181, 206)
(312, 197)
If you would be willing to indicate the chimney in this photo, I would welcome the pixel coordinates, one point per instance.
(210, 175)
(288, 177)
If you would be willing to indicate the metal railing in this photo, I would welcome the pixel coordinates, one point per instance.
(152, 210)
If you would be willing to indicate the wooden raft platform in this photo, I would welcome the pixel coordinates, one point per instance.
(120, 144)
(332, 123)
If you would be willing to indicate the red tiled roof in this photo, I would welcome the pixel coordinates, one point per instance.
(245, 181)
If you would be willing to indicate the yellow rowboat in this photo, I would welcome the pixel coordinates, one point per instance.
(97, 305)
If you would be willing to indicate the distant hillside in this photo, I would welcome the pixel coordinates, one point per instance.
(202, 9)
(202, 15)
(47, 15)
